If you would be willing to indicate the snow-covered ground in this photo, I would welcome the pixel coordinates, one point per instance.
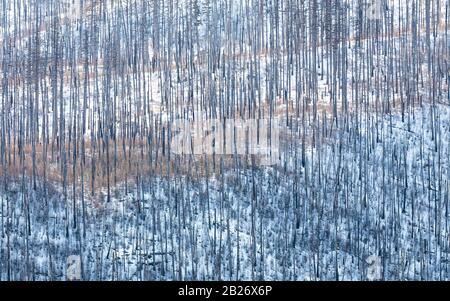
(320, 221)
(364, 167)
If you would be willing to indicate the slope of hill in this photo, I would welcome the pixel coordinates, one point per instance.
(358, 174)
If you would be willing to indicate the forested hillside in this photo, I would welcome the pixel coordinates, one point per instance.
(224, 140)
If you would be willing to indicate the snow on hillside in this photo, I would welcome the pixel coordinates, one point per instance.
(185, 229)
(88, 171)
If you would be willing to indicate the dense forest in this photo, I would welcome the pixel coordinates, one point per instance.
(224, 140)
